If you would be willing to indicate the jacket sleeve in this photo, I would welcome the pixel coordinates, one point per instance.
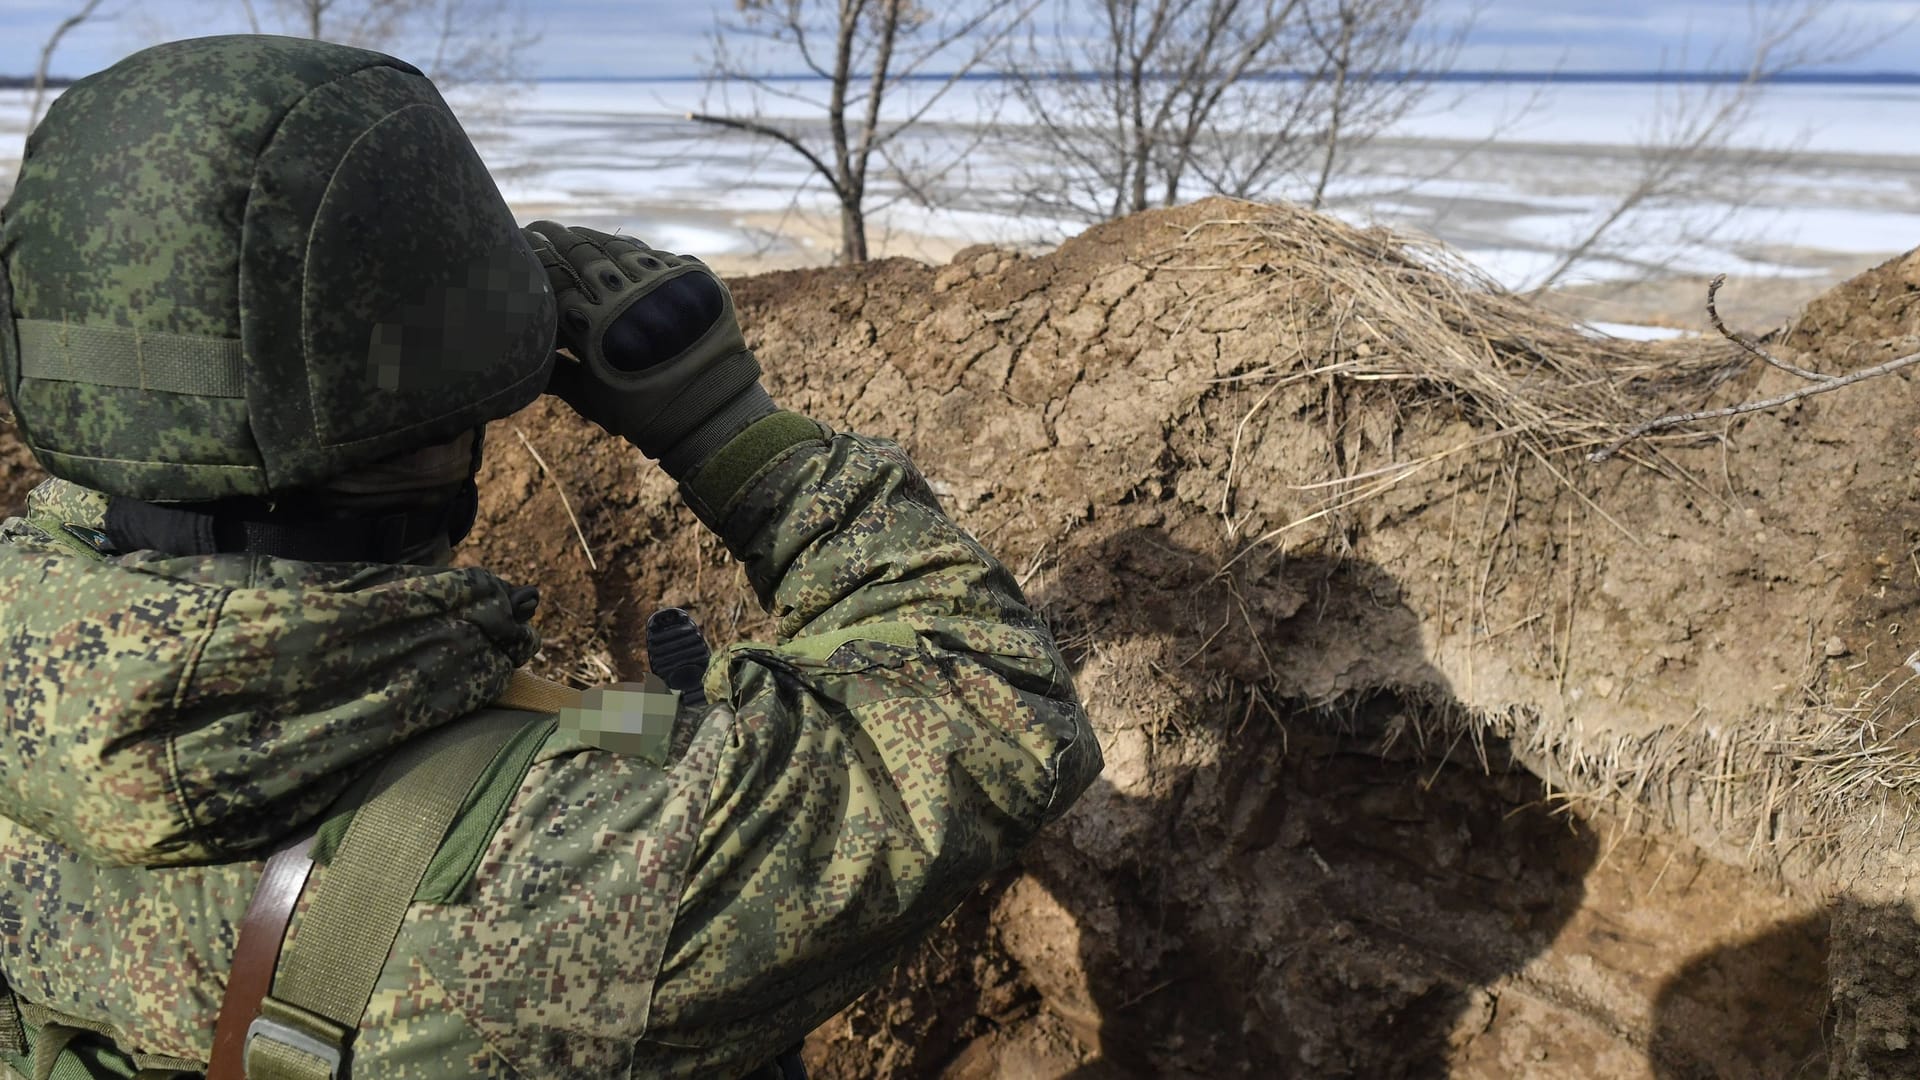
(910, 728)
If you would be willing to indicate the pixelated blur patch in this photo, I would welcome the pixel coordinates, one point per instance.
(630, 719)
(458, 330)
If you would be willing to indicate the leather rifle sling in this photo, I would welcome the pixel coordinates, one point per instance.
(257, 954)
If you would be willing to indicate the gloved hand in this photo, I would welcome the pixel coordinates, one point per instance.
(659, 357)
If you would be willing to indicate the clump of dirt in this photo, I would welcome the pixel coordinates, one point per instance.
(1871, 319)
(1431, 749)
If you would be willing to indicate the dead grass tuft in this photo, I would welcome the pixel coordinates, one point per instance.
(1400, 307)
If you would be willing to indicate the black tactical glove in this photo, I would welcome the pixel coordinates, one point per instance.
(659, 358)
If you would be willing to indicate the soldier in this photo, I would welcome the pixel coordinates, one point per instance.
(258, 300)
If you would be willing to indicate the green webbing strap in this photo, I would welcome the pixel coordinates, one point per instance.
(48, 1048)
(327, 974)
(151, 1065)
(118, 356)
(13, 1037)
(52, 1032)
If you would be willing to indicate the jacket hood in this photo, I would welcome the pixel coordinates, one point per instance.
(159, 710)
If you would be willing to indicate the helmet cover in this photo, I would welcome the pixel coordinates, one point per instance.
(242, 265)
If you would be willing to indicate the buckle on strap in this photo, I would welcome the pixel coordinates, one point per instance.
(286, 1042)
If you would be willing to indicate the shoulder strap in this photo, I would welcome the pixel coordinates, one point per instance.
(257, 953)
(326, 977)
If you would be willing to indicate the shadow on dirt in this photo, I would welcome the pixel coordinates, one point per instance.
(1259, 886)
(1762, 1001)
(1765, 999)
(1356, 935)
(1270, 888)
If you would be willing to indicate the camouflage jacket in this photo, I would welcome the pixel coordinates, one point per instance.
(167, 720)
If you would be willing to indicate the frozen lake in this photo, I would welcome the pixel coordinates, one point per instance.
(1508, 185)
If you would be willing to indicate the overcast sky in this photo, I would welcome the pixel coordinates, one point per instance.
(667, 37)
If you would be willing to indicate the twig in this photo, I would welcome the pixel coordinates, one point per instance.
(1033, 568)
(1823, 384)
(1747, 343)
(86, 12)
(565, 503)
(1356, 499)
(1753, 406)
(1233, 457)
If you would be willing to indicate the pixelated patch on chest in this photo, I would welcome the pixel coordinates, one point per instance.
(630, 719)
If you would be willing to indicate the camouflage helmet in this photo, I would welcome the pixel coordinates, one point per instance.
(239, 266)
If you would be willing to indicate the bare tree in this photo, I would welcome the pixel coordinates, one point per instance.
(457, 42)
(1375, 58)
(1132, 103)
(1116, 110)
(86, 11)
(884, 65)
(1700, 146)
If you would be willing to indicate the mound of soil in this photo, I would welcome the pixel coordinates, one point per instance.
(1432, 750)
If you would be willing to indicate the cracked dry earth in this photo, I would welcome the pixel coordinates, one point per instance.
(1297, 863)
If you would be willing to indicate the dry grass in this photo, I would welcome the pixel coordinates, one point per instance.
(1812, 796)
(1395, 306)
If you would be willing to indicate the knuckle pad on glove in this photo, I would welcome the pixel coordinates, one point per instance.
(646, 262)
(664, 323)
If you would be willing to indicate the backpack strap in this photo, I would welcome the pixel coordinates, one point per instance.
(326, 977)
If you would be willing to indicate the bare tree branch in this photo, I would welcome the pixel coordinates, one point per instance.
(981, 53)
(1690, 146)
(1254, 98)
(87, 11)
(1822, 384)
(755, 127)
(1747, 343)
(878, 48)
(457, 42)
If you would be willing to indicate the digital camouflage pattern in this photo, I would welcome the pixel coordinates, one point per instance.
(912, 725)
(243, 265)
(246, 691)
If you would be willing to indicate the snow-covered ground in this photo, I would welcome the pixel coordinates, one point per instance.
(1509, 186)
(1510, 174)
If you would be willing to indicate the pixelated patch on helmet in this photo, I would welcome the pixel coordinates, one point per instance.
(455, 331)
(630, 719)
